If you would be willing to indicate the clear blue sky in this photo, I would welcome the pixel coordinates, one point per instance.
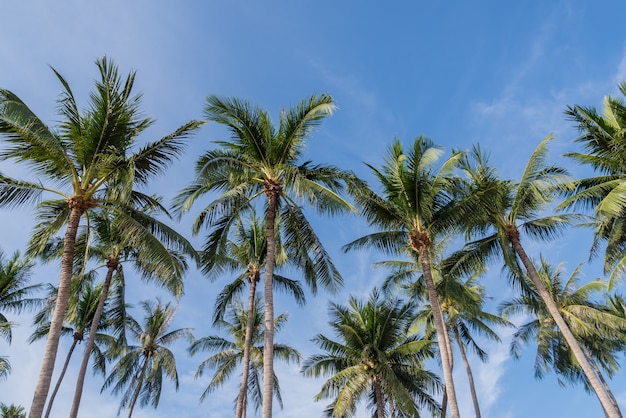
(494, 72)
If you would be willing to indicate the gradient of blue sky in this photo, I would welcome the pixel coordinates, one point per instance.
(494, 72)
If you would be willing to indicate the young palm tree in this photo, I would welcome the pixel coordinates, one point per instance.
(262, 160)
(605, 152)
(229, 354)
(140, 371)
(595, 327)
(501, 210)
(247, 251)
(78, 319)
(374, 357)
(92, 157)
(416, 208)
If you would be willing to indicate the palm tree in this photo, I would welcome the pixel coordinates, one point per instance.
(594, 326)
(417, 207)
(374, 357)
(501, 210)
(247, 251)
(15, 296)
(78, 318)
(262, 160)
(229, 354)
(605, 152)
(12, 411)
(141, 369)
(91, 156)
(462, 304)
(143, 247)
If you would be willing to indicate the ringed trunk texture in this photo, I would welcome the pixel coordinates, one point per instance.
(240, 412)
(611, 409)
(63, 295)
(420, 242)
(468, 369)
(111, 265)
(272, 191)
(77, 337)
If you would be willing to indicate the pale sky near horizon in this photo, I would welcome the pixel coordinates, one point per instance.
(491, 72)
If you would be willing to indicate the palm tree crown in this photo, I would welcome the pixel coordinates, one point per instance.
(374, 357)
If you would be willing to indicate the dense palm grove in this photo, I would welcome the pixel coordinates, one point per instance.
(442, 219)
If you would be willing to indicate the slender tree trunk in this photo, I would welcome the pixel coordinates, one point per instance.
(444, 403)
(111, 265)
(138, 389)
(599, 374)
(67, 362)
(380, 401)
(241, 399)
(611, 409)
(468, 369)
(272, 190)
(63, 295)
(420, 242)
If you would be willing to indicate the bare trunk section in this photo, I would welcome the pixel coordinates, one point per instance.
(240, 412)
(138, 389)
(468, 369)
(611, 410)
(111, 265)
(272, 191)
(63, 295)
(77, 337)
(599, 374)
(380, 400)
(420, 242)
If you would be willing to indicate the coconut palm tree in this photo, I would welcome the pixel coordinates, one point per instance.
(261, 160)
(91, 159)
(140, 370)
(416, 208)
(15, 296)
(593, 325)
(246, 252)
(462, 304)
(374, 356)
(146, 249)
(78, 320)
(229, 354)
(503, 209)
(602, 139)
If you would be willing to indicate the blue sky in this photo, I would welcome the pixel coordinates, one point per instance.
(498, 73)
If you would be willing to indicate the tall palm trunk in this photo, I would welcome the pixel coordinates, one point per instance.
(63, 296)
(272, 190)
(419, 242)
(468, 369)
(599, 374)
(138, 389)
(611, 410)
(77, 337)
(240, 412)
(111, 265)
(380, 400)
